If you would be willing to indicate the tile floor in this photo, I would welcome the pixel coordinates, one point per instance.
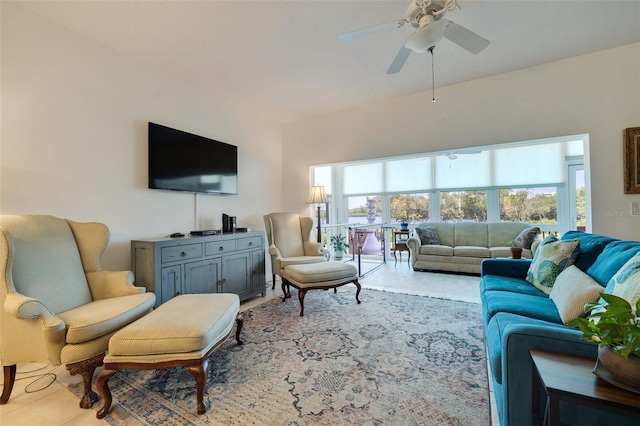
(46, 401)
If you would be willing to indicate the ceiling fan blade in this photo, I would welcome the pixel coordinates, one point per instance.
(399, 60)
(465, 38)
(372, 30)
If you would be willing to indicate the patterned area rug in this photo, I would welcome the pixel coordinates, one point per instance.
(392, 360)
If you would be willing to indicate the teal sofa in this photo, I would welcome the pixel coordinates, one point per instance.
(518, 317)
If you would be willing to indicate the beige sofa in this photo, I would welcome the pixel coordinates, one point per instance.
(463, 246)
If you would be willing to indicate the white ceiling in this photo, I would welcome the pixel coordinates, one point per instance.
(285, 58)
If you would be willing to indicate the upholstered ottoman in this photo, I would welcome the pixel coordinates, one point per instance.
(181, 332)
(318, 276)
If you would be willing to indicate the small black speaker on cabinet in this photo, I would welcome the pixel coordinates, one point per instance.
(228, 223)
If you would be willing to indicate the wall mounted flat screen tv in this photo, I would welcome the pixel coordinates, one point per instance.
(181, 161)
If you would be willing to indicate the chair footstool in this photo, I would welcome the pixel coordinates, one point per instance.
(318, 276)
(182, 332)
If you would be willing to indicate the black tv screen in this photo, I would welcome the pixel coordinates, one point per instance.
(181, 161)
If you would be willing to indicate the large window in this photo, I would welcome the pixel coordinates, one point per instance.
(533, 205)
(410, 208)
(365, 210)
(529, 181)
(463, 206)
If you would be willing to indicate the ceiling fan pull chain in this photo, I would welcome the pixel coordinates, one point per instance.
(433, 79)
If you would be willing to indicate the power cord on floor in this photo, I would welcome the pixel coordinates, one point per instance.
(42, 380)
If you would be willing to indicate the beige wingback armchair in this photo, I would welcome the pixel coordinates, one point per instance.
(57, 304)
(288, 235)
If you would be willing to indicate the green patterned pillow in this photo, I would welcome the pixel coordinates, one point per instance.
(626, 281)
(551, 258)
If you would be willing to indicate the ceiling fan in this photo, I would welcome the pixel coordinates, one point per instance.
(427, 17)
(453, 155)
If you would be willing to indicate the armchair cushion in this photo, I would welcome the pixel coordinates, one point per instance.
(300, 260)
(101, 317)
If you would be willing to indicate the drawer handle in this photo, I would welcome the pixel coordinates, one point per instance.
(183, 254)
(250, 244)
(220, 248)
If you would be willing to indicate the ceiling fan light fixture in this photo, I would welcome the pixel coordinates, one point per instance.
(426, 37)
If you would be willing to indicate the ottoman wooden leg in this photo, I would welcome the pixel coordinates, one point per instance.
(199, 372)
(102, 387)
(239, 323)
(301, 293)
(286, 289)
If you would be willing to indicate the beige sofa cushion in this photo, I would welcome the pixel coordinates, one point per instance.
(436, 250)
(502, 233)
(471, 234)
(471, 251)
(445, 232)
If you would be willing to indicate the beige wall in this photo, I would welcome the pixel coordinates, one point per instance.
(74, 138)
(598, 94)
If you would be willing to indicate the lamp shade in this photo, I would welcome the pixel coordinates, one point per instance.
(317, 195)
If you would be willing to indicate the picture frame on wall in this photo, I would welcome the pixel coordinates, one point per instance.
(632, 160)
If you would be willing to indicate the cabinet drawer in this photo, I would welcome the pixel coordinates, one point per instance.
(219, 247)
(189, 251)
(249, 243)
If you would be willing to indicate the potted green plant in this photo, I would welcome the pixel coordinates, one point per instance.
(615, 326)
(516, 252)
(339, 245)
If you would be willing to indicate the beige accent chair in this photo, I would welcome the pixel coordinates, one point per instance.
(288, 235)
(57, 304)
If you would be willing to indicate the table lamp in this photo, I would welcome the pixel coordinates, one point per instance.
(318, 196)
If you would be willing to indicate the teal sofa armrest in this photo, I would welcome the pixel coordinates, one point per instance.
(516, 268)
(518, 374)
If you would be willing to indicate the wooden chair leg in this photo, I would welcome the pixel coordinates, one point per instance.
(86, 369)
(273, 286)
(9, 380)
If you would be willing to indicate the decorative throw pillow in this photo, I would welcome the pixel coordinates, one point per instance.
(428, 235)
(572, 290)
(626, 282)
(526, 237)
(551, 258)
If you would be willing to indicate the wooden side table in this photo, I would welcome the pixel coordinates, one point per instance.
(400, 243)
(570, 378)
